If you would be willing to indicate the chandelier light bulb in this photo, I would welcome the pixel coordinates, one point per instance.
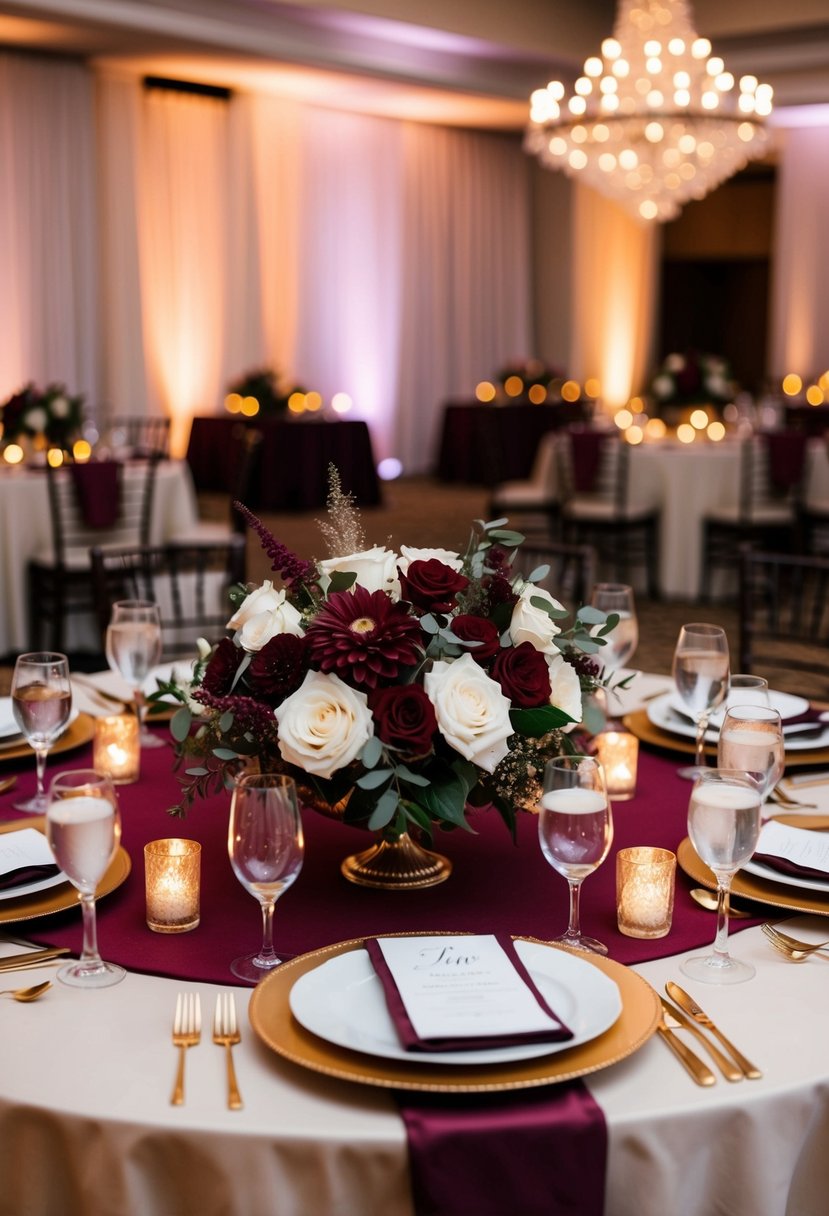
(655, 120)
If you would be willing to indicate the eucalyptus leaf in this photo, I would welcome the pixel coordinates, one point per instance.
(555, 614)
(591, 616)
(225, 722)
(538, 574)
(371, 753)
(374, 779)
(384, 812)
(196, 772)
(507, 537)
(180, 724)
(224, 753)
(428, 624)
(493, 523)
(405, 774)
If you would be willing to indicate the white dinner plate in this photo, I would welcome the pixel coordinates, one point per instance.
(342, 1001)
(769, 874)
(31, 888)
(667, 713)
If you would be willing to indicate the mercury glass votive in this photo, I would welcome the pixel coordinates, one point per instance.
(618, 754)
(116, 752)
(645, 891)
(172, 872)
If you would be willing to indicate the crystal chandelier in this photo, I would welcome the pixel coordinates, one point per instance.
(655, 120)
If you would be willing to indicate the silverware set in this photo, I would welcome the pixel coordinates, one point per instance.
(683, 1013)
(792, 948)
(32, 958)
(187, 1033)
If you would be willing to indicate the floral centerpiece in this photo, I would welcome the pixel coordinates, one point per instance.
(265, 386)
(693, 379)
(50, 412)
(400, 688)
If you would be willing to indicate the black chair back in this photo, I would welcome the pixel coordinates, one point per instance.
(784, 620)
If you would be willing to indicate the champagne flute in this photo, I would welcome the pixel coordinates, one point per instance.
(575, 827)
(41, 703)
(83, 828)
(701, 678)
(723, 824)
(751, 740)
(133, 648)
(266, 847)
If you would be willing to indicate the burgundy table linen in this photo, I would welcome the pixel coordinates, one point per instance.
(586, 449)
(487, 444)
(787, 456)
(98, 491)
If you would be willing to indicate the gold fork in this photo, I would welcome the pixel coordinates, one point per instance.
(186, 1033)
(792, 946)
(226, 1034)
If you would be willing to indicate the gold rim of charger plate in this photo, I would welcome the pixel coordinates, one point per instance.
(58, 899)
(76, 734)
(639, 724)
(271, 1019)
(751, 887)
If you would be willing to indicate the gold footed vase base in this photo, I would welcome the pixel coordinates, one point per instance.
(397, 865)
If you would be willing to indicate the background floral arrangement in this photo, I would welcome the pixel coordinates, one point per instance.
(50, 411)
(530, 371)
(264, 384)
(693, 378)
(411, 684)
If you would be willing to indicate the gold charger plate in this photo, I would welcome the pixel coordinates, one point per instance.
(76, 734)
(752, 887)
(271, 1018)
(58, 899)
(639, 724)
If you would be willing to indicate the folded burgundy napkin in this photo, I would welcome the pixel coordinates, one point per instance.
(784, 866)
(787, 453)
(539, 1152)
(409, 1037)
(810, 717)
(25, 874)
(586, 448)
(98, 491)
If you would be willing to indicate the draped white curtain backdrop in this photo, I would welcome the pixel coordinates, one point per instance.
(48, 226)
(800, 281)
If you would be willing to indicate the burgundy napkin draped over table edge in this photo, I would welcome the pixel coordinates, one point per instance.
(787, 454)
(586, 449)
(98, 490)
(496, 886)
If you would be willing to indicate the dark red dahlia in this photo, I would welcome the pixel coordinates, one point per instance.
(432, 585)
(498, 590)
(481, 630)
(219, 673)
(363, 637)
(404, 717)
(524, 676)
(278, 668)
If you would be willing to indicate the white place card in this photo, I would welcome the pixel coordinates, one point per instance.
(802, 848)
(28, 847)
(462, 987)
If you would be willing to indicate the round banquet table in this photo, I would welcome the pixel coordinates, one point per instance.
(85, 1119)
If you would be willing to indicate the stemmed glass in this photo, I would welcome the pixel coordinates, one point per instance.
(41, 703)
(701, 678)
(621, 642)
(723, 824)
(746, 690)
(575, 827)
(83, 828)
(266, 848)
(133, 648)
(751, 740)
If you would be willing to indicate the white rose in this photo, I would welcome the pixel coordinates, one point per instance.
(471, 709)
(266, 599)
(323, 725)
(675, 363)
(409, 554)
(35, 419)
(60, 407)
(531, 624)
(565, 686)
(376, 569)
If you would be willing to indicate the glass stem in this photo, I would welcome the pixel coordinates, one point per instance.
(266, 954)
(574, 927)
(40, 767)
(89, 953)
(702, 727)
(721, 939)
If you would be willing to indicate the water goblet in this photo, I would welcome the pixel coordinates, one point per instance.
(700, 672)
(83, 828)
(575, 828)
(41, 703)
(265, 844)
(621, 642)
(746, 690)
(724, 825)
(751, 740)
(133, 648)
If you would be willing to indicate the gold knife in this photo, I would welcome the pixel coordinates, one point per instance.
(698, 1069)
(727, 1067)
(690, 1006)
(13, 961)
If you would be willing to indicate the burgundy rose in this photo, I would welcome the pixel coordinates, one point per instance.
(404, 718)
(524, 676)
(498, 590)
(432, 585)
(278, 668)
(478, 629)
(219, 673)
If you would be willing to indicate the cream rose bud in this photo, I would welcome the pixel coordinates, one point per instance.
(534, 625)
(471, 709)
(323, 725)
(409, 554)
(267, 599)
(565, 687)
(376, 569)
(60, 407)
(36, 418)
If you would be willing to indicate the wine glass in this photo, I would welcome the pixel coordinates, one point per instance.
(623, 639)
(266, 847)
(133, 648)
(723, 824)
(41, 703)
(575, 827)
(701, 678)
(751, 740)
(746, 690)
(83, 828)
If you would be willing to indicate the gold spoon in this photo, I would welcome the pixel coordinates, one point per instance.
(708, 900)
(26, 994)
(8, 783)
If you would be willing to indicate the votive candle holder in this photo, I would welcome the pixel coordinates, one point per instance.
(172, 875)
(618, 754)
(116, 751)
(645, 891)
